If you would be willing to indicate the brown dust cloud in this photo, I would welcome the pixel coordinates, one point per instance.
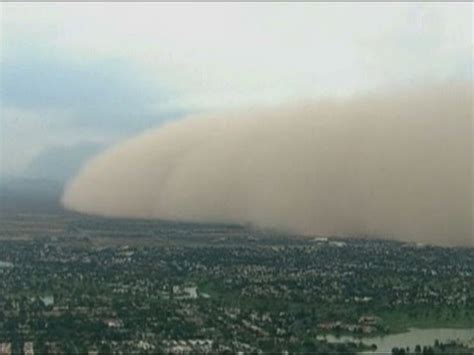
(393, 164)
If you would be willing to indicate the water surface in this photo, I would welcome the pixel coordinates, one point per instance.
(411, 339)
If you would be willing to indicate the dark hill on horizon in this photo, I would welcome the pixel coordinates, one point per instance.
(24, 195)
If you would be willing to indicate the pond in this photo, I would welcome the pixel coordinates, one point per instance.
(415, 336)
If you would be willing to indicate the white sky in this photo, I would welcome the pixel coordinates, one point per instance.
(226, 55)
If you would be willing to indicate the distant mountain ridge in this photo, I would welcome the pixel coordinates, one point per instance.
(39, 188)
(61, 163)
(30, 195)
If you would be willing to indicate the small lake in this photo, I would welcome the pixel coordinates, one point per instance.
(415, 336)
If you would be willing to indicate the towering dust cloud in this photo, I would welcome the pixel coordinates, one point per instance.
(395, 165)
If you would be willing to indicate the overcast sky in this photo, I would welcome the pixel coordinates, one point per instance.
(87, 74)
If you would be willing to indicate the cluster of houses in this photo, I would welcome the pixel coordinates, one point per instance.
(365, 325)
(6, 348)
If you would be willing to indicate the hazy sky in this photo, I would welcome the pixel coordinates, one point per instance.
(85, 74)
